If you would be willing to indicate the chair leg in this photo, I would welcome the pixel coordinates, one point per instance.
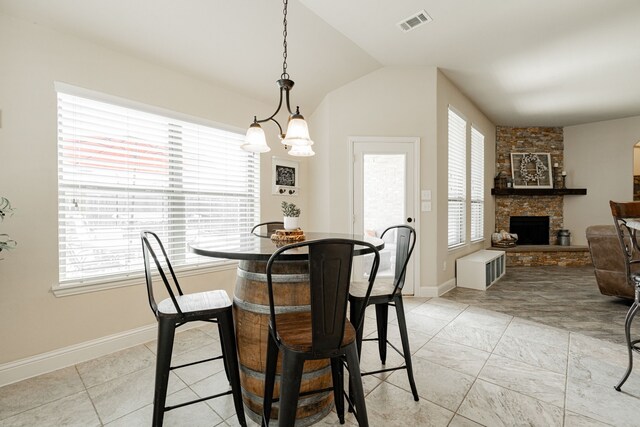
(290, 380)
(166, 332)
(224, 354)
(355, 384)
(338, 386)
(356, 309)
(228, 340)
(627, 332)
(269, 379)
(402, 323)
(382, 317)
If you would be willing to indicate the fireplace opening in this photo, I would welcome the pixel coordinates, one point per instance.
(531, 230)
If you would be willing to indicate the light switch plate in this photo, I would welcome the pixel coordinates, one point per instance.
(426, 206)
(425, 195)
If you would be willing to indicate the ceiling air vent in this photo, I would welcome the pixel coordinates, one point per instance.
(414, 21)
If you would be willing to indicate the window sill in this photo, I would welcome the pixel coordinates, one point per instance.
(457, 247)
(83, 288)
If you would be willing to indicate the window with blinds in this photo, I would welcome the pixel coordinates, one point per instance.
(122, 170)
(456, 202)
(477, 185)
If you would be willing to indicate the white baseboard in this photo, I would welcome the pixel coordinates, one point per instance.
(47, 362)
(43, 363)
(446, 286)
(436, 291)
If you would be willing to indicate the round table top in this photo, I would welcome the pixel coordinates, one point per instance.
(247, 246)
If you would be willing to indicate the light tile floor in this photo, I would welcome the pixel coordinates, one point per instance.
(563, 297)
(473, 367)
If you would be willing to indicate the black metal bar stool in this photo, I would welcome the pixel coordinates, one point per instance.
(322, 333)
(383, 295)
(626, 217)
(175, 311)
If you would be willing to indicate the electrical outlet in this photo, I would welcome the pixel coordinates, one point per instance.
(444, 266)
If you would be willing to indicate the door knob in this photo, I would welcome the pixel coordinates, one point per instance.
(409, 220)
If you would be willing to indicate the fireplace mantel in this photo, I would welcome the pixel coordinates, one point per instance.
(538, 191)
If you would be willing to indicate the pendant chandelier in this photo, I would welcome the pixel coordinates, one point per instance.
(296, 139)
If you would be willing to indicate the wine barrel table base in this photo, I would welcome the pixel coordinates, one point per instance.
(251, 313)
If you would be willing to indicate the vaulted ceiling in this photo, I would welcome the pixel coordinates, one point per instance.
(522, 62)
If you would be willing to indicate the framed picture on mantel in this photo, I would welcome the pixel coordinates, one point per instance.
(531, 170)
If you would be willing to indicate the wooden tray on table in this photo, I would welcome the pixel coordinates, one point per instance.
(284, 237)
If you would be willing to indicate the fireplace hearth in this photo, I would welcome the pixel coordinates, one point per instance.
(531, 230)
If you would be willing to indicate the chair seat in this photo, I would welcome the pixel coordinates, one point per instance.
(294, 331)
(196, 302)
(381, 287)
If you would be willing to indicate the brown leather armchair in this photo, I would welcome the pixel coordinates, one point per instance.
(608, 261)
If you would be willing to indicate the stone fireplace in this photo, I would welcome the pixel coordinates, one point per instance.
(543, 250)
(530, 206)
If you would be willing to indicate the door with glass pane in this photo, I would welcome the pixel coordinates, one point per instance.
(384, 195)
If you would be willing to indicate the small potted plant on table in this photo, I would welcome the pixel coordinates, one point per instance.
(291, 214)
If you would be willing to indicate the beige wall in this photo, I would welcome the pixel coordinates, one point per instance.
(318, 185)
(387, 102)
(449, 95)
(32, 319)
(598, 157)
(396, 102)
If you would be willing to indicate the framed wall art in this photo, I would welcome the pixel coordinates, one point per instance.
(531, 170)
(285, 180)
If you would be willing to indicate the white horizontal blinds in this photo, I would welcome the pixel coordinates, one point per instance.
(121, 170)
(477, 185)
(456, 180)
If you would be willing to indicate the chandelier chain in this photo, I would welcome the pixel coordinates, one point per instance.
(284, 75)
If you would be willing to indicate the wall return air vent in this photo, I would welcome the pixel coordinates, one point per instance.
(414, 21)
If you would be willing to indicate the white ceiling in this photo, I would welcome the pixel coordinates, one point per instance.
(523, 62)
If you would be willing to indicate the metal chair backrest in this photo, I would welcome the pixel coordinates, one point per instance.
(330, 262)
(626, 218)
(405, 242)
(151, 247)
(270, 226)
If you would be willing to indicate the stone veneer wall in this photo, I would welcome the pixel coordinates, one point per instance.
(567, 258)
(529, 140)
(550, 206)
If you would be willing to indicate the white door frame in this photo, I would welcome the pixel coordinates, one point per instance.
(415, 141)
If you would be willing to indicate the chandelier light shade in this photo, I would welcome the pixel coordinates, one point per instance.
(297, 131)
(297, 136)
(255, 140)
(301, 151)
